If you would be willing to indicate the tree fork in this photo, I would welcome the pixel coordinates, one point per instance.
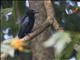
(51, 14)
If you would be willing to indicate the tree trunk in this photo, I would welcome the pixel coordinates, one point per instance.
(39, 53)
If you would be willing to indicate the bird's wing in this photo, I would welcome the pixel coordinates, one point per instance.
(24, 20)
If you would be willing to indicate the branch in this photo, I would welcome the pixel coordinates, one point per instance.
(50, 13)
(42, 28)
(31, 35)
(51, 19)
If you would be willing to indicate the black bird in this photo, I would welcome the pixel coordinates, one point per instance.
(27, 23)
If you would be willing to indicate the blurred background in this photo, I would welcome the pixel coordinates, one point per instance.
(67, 14)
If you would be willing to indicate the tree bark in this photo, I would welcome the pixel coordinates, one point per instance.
(39, 53)
(43, 7)
(51, 14)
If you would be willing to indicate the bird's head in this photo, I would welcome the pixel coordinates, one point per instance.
(30, 12)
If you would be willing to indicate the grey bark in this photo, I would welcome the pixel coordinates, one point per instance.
(39, 53)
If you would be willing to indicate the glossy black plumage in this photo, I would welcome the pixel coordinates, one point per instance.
(27, 23)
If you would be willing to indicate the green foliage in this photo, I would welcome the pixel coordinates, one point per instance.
(72, 21)
(6, 10)
(18, 7)
(72, 25)
(10, 23)
(6, 4)
(68, 50)
(78, 55)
